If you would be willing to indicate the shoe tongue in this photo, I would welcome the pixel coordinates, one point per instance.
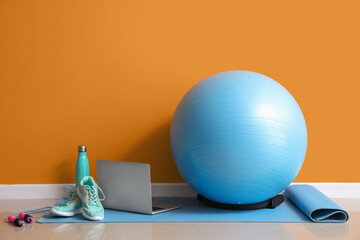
(91, 183)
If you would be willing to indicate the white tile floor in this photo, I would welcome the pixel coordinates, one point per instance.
(172, 231)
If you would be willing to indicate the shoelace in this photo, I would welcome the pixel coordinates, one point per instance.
(93, 198)
(71, 197)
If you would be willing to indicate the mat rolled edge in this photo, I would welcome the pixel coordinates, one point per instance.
(315, 205)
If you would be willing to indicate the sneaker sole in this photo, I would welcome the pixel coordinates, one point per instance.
(65, 214)
(91, 218)
(82, 211)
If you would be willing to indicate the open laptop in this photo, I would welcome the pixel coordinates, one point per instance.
(127, 187)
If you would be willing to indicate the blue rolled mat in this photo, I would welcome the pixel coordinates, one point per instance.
(315, 205)
(303, 207)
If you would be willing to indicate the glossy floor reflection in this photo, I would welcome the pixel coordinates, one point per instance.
(198, 231)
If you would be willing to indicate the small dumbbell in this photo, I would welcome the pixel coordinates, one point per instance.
(27, 217)
(16, 221)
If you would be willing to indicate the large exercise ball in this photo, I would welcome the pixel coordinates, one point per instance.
(238, 137)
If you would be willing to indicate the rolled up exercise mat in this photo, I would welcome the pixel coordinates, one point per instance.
(314, 204)
(302, 204)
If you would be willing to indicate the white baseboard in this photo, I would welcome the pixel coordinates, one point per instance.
(48, 191)
(337, 190)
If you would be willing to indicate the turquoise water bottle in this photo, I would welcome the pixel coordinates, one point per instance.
(82, 165)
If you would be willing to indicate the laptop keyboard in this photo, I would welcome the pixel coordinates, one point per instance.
(157, 208)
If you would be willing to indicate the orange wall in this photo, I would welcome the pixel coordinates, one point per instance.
(109, 74)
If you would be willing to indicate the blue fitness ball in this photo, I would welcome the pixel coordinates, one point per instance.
(238, 137)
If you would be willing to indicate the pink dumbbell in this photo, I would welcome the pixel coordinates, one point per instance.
(27, 217)
(16, 221)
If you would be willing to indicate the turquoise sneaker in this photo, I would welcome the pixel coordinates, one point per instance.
(88, 193)
(70, 207)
